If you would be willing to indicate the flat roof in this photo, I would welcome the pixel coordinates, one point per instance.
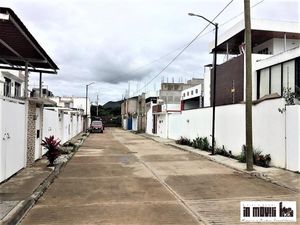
(17, 46)
(13, 77)
(261, 31)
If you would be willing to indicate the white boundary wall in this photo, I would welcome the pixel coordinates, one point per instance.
(61, 125)
(268, 127)
(269, 130)
(13, 133)
(13, 137)
(149, 120)
(293, 137)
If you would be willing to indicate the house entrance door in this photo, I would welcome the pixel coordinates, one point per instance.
(154, 130)
(129, 123)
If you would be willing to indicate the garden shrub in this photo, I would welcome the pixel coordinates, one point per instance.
(201, 143)
(184, 141)
(52, 146)
(222, 151)
(258, 158)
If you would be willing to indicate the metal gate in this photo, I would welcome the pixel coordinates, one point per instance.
(12, 142)
(129, 123)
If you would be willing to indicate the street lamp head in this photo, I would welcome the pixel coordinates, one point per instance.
(191, 14)
(90, 84)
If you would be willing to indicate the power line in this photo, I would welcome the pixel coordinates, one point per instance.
(242, 13)
(232, 18)
(188, 45)
(170, 53)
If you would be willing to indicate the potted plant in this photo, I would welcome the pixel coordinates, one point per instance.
(52, 145)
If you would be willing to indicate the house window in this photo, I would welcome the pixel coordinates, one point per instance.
(264, 51)
(264, 87)
(297, 76)
(17, 89)
(276, 79)
(7, 87)
(288, 75)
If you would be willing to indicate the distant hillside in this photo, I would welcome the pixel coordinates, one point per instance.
(112, 104)
(110, 113)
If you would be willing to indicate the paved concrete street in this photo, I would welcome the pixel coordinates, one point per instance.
(122, 178)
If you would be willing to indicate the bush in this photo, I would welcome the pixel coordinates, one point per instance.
(258, 158)
(52, 146)
(222, 151)
(201, 143)
(206, 146)
(69, 144)
(242, 156)
(197, 142)
(66, 149)
(262, 160)
(184, 141)
(256, 155)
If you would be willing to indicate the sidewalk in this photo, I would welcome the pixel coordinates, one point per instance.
(277, 176)
(21, 191)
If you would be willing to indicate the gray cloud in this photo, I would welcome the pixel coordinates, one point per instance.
(106, 41)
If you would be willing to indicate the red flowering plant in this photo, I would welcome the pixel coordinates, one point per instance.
(52, 145)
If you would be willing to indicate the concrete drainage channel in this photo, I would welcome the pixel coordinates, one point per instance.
(16, 215)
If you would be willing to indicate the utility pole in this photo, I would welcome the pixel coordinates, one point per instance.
(86, 106)
(249, 140)
(97, 104)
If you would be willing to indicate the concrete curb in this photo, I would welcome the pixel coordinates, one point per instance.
(16, 215)
(258, 174)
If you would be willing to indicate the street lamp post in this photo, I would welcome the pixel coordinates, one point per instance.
(215, 78)
(86, 103)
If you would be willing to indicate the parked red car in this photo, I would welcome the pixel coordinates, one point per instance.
(97, 126)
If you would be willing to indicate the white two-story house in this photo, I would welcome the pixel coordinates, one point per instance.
(11, 84)
(275, 61)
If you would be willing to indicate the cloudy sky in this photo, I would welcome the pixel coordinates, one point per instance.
(112, 42)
